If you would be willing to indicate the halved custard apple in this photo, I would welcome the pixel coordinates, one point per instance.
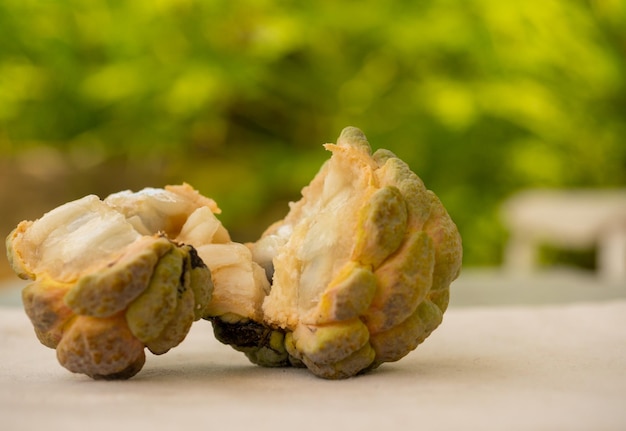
(114, 276)
(360, 269)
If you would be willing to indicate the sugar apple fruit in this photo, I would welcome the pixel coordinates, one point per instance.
(114, 276)
(360, 269)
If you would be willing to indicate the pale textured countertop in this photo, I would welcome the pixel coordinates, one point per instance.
(516, 367)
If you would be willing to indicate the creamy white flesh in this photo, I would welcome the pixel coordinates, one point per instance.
(154, 210)
(76, 237)
(322, 235)
(240, 284)
(88, 234)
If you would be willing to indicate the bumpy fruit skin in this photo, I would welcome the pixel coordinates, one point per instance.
(113, 277)
(357, 274)
(360, 268)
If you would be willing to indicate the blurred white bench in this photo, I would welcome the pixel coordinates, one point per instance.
(572, 219)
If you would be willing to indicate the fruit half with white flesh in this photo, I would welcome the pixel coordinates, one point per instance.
(360, 268)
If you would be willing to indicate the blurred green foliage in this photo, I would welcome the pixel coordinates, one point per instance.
(480, 97)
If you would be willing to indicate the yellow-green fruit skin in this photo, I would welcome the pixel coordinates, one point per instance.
(149, 313)
(110, 290)
(170, 289)
(44, 306)
(102, 348)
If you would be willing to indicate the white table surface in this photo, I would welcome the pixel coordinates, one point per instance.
(550, 367)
